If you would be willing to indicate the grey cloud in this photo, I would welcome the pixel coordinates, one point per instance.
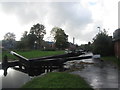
(72, 16)
(69, 13)
(26, 12)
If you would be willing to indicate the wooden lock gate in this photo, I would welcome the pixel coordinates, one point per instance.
(37, 66)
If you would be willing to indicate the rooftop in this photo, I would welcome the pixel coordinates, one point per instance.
(116, 35)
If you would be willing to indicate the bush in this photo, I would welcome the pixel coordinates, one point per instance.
(103, 44)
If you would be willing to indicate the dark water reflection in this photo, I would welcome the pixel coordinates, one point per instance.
(14, 79)
(100, 75)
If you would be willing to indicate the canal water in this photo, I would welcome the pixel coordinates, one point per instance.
(14, 79)
(98, 75)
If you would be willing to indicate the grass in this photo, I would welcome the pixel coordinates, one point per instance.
(57, 80)
(32, 54)
(0, 56)
(112, 59)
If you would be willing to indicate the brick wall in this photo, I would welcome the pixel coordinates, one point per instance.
(117, 48)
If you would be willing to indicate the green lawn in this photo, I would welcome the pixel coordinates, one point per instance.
(57, 80)
(0, 56)
(32, 54)
(112, 59)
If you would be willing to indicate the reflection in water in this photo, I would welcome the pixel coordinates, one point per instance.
(14, 79)
(87, 60)
(5, 71)
(1, 73)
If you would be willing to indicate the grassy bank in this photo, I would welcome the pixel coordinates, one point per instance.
(32, 54)
(57, 80)
(112, 59)
(0, 56)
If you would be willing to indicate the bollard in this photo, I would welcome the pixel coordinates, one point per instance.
(5, 64)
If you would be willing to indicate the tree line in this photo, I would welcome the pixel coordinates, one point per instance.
(102, 43)
(34, 39)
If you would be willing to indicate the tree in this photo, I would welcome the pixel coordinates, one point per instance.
(86, 47)
(60, 38)
(9, 36)
(27, 41)
(102, 44)
(31, 40)
(39, 31)
(25, 34)
(9, 41)
(20, 45)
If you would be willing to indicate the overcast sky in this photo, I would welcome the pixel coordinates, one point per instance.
(78, 19)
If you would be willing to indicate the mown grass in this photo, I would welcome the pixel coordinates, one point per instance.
(57, 80)
(112, 59)
(0, 57)
(31, 54)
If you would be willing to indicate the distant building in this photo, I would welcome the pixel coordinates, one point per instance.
(50, 44)
(116, 39)
(72, 47)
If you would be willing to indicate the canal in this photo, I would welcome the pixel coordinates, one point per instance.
(99, 74)
(14, 79)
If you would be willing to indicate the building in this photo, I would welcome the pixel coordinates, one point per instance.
(51, 44)
(116, 39)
